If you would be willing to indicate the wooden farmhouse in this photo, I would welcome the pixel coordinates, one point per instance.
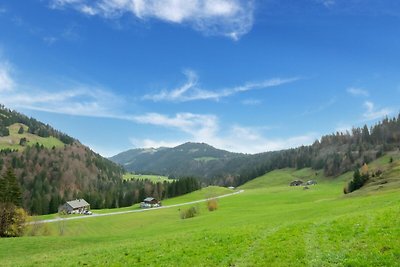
(150, 202)
(76, 206)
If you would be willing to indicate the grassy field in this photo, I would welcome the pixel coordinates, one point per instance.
(12, 141)
(269, 224)
(205, 159)
(153, 178)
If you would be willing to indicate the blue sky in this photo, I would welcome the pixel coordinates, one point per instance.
(246, 76)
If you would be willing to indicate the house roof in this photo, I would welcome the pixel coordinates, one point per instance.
(78, 203)
(149, 199)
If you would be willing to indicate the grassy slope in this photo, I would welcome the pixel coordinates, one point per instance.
(270, 224)
(153, 178)
(12, 141)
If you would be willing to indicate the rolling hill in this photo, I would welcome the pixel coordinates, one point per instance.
(52, 168)
(189, 159)
(269, 224)
(333, 155)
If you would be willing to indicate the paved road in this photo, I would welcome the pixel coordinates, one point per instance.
(131, 211)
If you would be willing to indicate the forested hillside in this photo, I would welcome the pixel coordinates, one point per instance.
(51, 174)
(193, 159)
(333, 154)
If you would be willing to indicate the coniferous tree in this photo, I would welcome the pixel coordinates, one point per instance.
(11, 191)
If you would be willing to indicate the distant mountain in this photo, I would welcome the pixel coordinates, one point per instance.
(189, 159)
(333, 154)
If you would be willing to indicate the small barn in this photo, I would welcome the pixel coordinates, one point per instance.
(150, 202)
(296, 183)
(76, 206)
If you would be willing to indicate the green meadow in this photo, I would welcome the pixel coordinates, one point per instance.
(153, 178)
(269, 224)
(12, 141)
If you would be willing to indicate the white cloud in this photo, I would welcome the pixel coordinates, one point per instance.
(148, 143)
(372, 113)
(357, 91)
(82, 100)
(191, 89)
(199, 126)
(231, 18)
(251, 102)
(205, 128)
(6, 82)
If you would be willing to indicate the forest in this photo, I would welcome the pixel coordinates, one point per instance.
(50, 176)
(332, 154)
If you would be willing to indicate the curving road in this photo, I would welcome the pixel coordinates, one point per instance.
(131, 211)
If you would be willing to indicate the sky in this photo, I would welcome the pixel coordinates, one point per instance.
(245, 76)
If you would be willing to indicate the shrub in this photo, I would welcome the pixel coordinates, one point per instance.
(189, 213)
(357, 182)
(212, 204)
(12, 220)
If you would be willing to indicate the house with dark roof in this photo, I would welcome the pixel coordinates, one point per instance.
(76, 206)
(150, 202)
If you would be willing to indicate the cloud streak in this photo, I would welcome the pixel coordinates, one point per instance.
(357, 91)
(372, 113)
(191, 90)
(6, 81)
(79, 99)
(236, 139)
(230, 18)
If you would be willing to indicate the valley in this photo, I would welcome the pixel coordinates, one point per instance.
(269, 223)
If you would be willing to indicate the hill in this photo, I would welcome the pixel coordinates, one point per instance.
(189, 159)
(52, 168)
(269, 223)
(333, 154)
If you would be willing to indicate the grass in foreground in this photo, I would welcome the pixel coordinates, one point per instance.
(270, 224)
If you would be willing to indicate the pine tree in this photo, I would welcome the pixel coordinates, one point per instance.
(11, 191)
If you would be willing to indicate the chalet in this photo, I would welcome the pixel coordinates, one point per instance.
(296, 183)
(76, 206)
(150, 202)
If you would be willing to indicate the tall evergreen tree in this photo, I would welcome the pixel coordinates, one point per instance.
(11, 190)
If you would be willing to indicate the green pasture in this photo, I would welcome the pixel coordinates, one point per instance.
(12, 141)
(269, 224)
(153, 178)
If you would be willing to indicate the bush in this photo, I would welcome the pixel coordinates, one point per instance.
(12, 220)
(357, 182)
(212, 204)
(189, 213)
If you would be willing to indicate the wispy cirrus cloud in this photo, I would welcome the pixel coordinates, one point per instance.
(6, 81)
(93, 101)
(355, 91)
(230, 18)
(372, 113)
(78, 99)
(251, 102)
(191, 89)
(200, 126)
(206, 128)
